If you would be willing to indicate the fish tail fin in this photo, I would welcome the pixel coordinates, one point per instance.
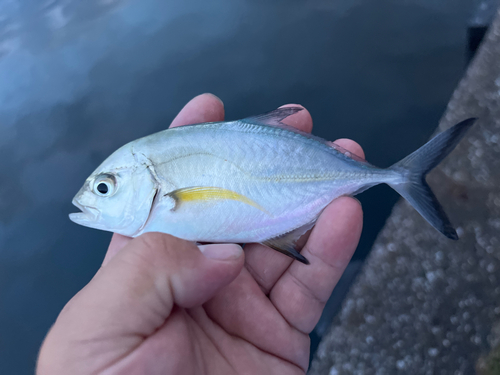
(415, 167)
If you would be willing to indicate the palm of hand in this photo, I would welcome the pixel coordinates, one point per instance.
(239, 331)
(257, 324)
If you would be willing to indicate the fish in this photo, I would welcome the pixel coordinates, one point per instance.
(254, 180)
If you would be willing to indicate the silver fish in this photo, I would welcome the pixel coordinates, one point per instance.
(251, 180)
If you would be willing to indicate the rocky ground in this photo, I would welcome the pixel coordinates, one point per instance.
(424, 304)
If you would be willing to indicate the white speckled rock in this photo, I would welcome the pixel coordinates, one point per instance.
(424, 304)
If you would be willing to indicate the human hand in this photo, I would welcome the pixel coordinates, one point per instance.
(158, 305)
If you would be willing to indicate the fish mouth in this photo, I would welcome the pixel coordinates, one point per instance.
(87, 216)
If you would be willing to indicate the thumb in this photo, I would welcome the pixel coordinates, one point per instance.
(154, 272)
(131, 297)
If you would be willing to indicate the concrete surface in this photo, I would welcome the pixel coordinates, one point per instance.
(424, 304)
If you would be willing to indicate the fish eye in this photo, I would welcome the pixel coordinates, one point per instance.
(102, 188)
(104, 185)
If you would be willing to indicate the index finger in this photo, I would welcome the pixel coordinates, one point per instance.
(202, 108)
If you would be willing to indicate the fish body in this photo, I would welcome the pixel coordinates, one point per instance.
(251, 180)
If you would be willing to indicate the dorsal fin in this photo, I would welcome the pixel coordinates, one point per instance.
(273, 118)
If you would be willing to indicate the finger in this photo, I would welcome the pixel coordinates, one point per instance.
(302, 291)
(264, 264)
(243, 311)
(117, 243)
(267, 265)
(134, 294)
(202, 108)
(350, 145)
(301, 120)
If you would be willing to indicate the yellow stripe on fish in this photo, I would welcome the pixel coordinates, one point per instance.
(209, 193)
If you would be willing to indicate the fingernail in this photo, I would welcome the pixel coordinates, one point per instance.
(224, 251)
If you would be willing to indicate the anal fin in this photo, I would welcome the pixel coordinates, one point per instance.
(286, 243)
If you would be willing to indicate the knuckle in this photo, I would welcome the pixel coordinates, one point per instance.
(154, 241)
(149, 248)
(309, 291)
(160, 248)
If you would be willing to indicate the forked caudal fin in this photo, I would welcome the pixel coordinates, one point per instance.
(415, 166)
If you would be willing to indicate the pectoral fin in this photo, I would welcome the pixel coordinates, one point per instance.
(208, 193)
(286, 243)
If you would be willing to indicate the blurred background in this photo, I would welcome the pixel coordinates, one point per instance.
(78, 79)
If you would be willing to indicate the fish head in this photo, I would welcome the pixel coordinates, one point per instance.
(118, 196)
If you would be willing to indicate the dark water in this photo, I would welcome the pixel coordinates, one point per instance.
(78, 79)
